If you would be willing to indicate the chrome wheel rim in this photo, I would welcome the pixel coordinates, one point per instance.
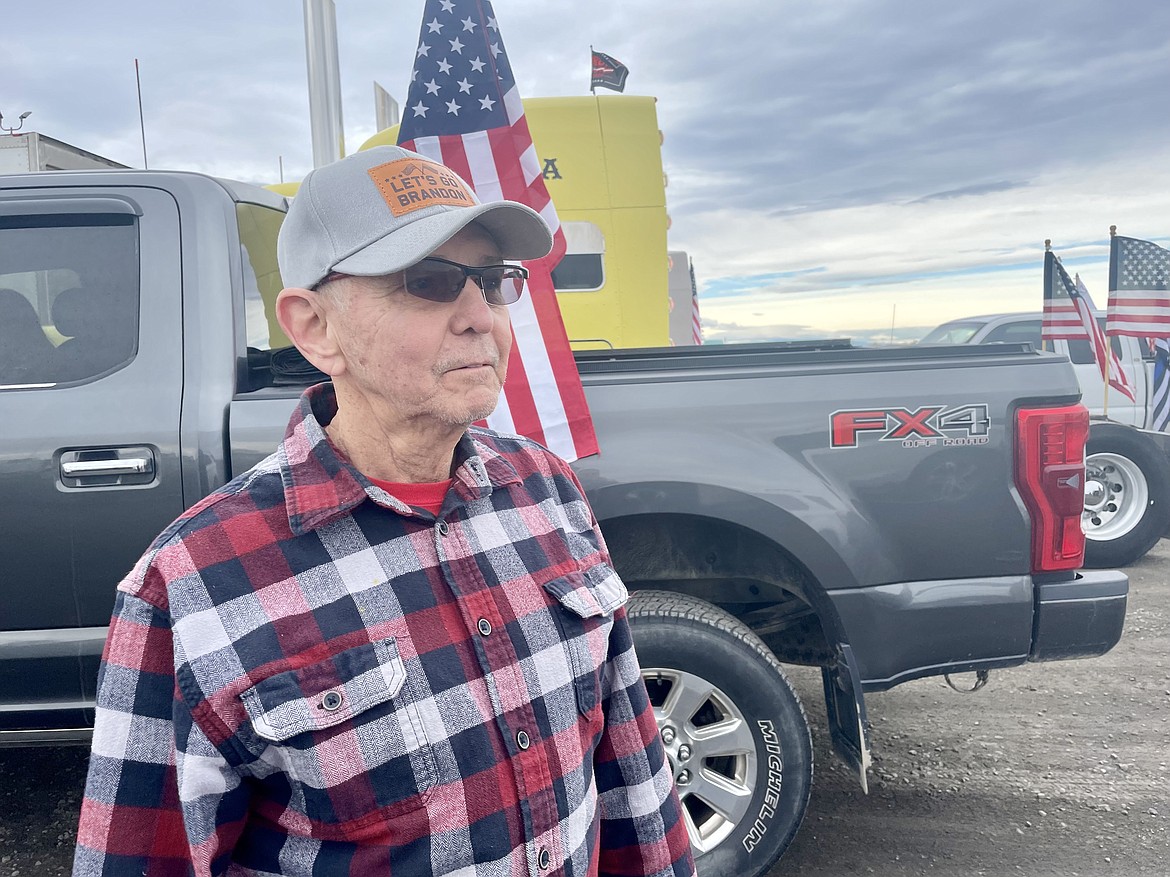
(1116, 496)
(711, 751)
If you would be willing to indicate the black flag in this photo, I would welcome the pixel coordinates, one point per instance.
(608, 72)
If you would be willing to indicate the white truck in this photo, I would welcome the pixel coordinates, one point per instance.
(1127, 478)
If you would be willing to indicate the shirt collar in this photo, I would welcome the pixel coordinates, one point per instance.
(320, 484)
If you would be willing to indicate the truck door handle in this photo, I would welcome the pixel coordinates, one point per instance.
(83, 468)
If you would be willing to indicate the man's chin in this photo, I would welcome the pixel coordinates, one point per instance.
(481, 413)
(476, 409)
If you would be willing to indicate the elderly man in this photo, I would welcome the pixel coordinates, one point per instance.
(397, 645)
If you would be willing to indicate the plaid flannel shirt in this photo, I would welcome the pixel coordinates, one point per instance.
(304, 675)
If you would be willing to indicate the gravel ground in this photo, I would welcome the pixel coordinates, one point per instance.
(1052, 769)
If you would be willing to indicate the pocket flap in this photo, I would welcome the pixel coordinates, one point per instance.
(327, 693)
(599, 590)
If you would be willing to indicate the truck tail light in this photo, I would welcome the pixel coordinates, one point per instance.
(1050, 474)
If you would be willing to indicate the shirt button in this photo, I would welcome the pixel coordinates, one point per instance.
(442, 528)
(522, 739)
(485, 627)
(331, 700)
(543, 860)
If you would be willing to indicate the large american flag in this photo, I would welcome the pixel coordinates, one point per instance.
(1069, 314)
(1139, 301)
(463, 109)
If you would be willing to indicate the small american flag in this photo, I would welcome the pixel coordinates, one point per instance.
(696, 323)
(1069, 314)
(463, 110)
(1139, 301)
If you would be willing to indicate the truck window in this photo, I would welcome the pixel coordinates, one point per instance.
(952, 333)
(1080, 351)
(1024, 330)
(69, 290)
(583, 267)
(259, 227)
(1115, 343)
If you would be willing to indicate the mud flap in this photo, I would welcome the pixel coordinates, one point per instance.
(845, 704)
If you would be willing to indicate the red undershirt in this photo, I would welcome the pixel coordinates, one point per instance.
(427, 495)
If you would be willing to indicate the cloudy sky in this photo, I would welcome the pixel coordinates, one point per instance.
(837, 167)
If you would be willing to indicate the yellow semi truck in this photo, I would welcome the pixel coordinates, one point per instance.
(602, 162)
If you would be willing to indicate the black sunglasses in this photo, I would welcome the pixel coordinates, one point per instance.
(441, 280)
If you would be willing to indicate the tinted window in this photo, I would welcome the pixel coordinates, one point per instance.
(583, 267)
(1014, 333)
(68, 297)
(952, 333)
(579, 272)
(1115, 342)
(1080, 351)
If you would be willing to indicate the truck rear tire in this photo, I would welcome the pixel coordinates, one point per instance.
(1127, 497)
(735, 733)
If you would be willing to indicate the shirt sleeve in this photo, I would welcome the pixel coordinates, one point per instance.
(159, 797)
(642, 827)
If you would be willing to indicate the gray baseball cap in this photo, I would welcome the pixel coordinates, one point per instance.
(382, 210)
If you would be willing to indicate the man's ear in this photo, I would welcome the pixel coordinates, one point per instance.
(304, 316)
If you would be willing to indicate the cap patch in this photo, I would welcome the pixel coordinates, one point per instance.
(409, 184)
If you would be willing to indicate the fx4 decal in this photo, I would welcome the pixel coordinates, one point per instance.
(928, 426)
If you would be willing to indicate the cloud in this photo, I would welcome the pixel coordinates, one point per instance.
(986, 235)
(973, 189)
(868, 102)
(834, 159)
(737, 285)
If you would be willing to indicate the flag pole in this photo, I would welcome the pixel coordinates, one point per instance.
(141, 121)
(1108, 354)
(1047, 286)
(1108, 374)
(1112, 258)
(592, 88)
(1108, 343)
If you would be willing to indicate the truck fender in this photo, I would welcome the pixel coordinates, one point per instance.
(656, 547)
(778, 526)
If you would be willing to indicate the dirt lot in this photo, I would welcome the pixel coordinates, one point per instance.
(1053, 769)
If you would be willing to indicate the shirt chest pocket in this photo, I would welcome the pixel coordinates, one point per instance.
(349, 734)
(586, 602)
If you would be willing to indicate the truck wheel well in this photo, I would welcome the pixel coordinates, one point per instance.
(736, 569)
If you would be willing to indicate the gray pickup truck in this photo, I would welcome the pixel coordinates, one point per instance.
(882, 514)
